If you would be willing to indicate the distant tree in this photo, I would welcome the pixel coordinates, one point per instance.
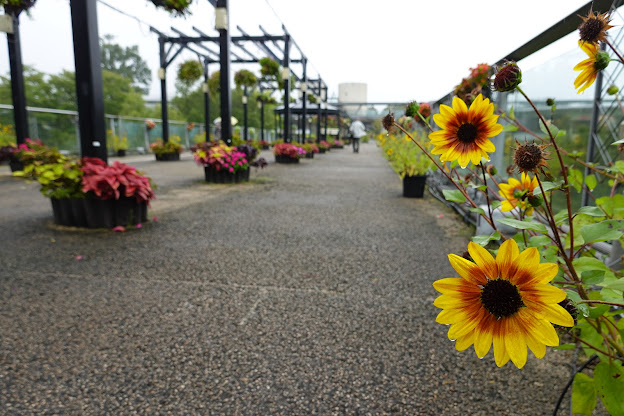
(126, 62)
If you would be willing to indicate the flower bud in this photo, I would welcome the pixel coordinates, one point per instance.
(508, 77)
(612, 90)
(550, 102)
(411, 109)
(602, 60)
(535, 200)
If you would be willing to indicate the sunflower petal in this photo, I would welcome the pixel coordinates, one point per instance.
(515, 342)
(465, 341)
(467, 269)
(483, 340)
(506, 258)
(484, 260)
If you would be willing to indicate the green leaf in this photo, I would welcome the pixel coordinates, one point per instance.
(496, 204)
(591, 181)
(477, 210)
(617, 142)
(483, 240)
(598, 311)
(575, 177)
(548, 186)
(582, 264)
(561, 217)
(540, 241)
(565, 347)
(454, 196)
(593, 277)
(524, 225)
(512, 116)
(602, 231)
(553, 129)
(591, 211)
(583, 395)
(575, 297)
(609, 383)
(616, 285)
(510, 127)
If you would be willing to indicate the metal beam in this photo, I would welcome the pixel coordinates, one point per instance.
(224, 58)
(20, 116)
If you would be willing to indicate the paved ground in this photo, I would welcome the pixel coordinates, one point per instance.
(307, 291)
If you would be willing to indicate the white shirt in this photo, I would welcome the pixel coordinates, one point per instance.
(357, 129)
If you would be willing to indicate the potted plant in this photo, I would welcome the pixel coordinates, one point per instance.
(310, 149)
(408, 162)
(149, 125)
(190, 71)
(287, 153)
(337, 144)
(120, 145)
(264, 145)
(175, 7)
(168, 151)
(15, 7)
(87, 192)
(222, 164)
(324, 146)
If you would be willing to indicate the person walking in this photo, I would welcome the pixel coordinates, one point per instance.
(357, 130)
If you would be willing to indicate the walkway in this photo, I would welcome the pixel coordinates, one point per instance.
(307, 291)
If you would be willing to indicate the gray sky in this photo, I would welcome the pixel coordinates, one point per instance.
(401, 49)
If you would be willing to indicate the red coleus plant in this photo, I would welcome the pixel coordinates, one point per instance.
(115, 181)
(290, 150)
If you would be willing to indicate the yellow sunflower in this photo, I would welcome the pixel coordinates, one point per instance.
(597, 61)
(465, 131)
(506, 302)
(517, 193)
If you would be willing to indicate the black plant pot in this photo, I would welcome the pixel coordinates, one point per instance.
(79, 214)
(223, 176)
(285, 159)
(62, 211)
(168, 157)
(121, 152)
(265, 147)
(15, 164)
(99, 213)
(309, 155)
(414, 186)
(321, 150)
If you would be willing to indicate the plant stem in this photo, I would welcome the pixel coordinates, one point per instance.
(602, 302)
(592, 347)
(563, 170)
(487, 195)
(614, 50)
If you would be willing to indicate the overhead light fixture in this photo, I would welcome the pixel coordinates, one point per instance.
(161, 73)
(244, 99)
(221, 18)
(285, 73)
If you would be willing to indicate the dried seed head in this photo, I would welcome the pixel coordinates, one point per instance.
(491, 170)
(569, 306)
(594, 27)
(509, 170)
(529, 157)
(388, 122)
(550, 102)
(508, 77)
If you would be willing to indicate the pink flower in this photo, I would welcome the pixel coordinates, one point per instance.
(155, 219)
(231, 170)
(139, 225)
(119, 229)
(78, 258)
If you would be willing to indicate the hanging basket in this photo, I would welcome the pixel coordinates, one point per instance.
(176, 7)
(15, 7)
(190, 71)
(245, 78)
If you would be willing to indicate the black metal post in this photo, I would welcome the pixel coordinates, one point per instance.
(318, 116)
(224, 60)
(245, 99)
(206, 101)
(305, 99)
(326, 117)
(20, 116)
(286, 64)
(262, 120)
(89, 90)
(162, 73)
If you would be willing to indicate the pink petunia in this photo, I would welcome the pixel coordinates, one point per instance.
(119, 229)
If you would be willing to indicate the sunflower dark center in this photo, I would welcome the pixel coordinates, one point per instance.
(501, 298)
(467, 133)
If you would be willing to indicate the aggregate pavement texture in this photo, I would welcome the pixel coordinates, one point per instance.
(304, 292)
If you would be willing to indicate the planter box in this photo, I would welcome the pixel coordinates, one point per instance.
(309, 155)
(96, 213)
(168, 157)
(285, 159)
(15, 164)
(414, 186)
(223, 176)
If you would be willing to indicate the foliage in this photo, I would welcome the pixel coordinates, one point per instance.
(245, 78)
(17, 4)
(7, 135)
(115, 181)
(589, 291)
(120, 143)
(405, 158)
(218, 156)
(175, 7)
(310, 148)
(126, 62)
(7, 152)
(190, 71)
(214, 83)
(171, 146)
(269, 67)
(290, 150)
(250, 150)
(324, 145)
